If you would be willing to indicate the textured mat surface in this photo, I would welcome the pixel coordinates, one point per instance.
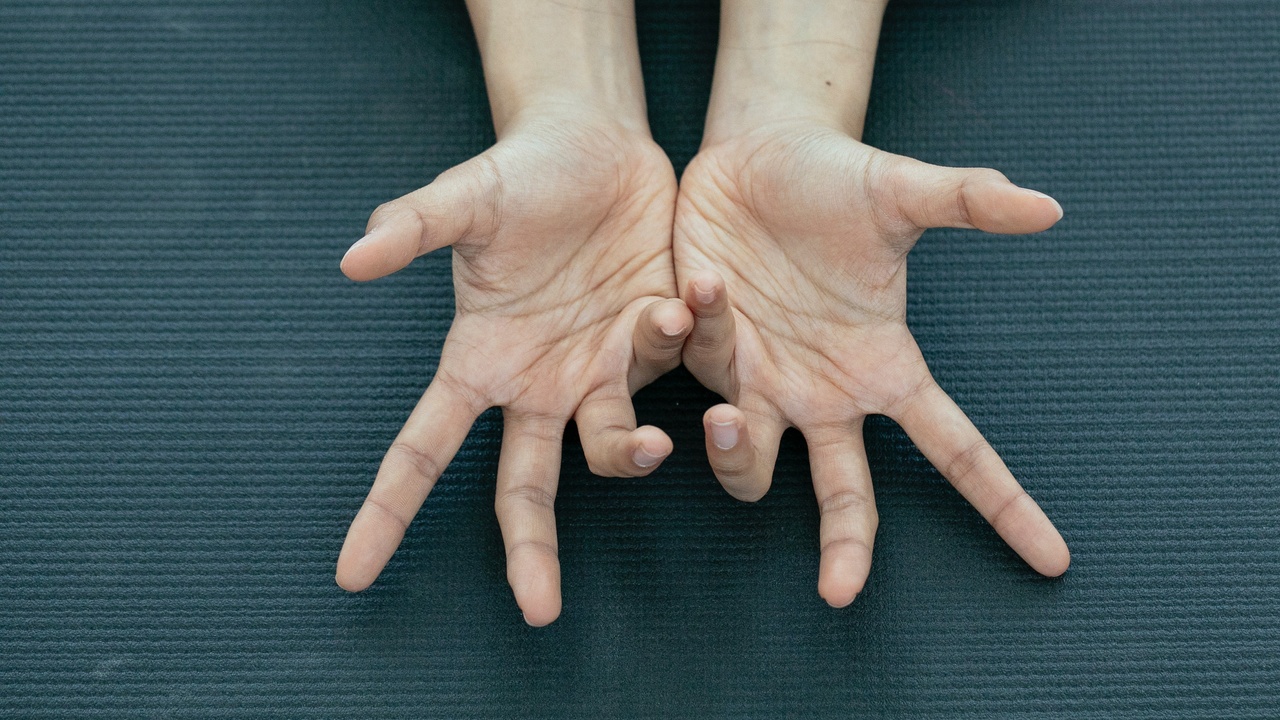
(193, 400)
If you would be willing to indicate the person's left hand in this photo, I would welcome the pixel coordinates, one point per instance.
(791, 244)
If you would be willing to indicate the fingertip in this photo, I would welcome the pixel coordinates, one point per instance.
(385, 249)
(840, 577)
(353, 573)
(1041, 545)
(1045, 212)
(1051, 203)
(348, 582)
(711, 346)
(353, 263)
(649, 447)
(989, 201)
(705, 289)
(672, 318)
(535, 582)
(724, 426)
(837, 597)
(1017, 210)
(539, 598)
(1038, 542)
(541, 616)
(658, 339)
(1054, 561)
(366, 550)
(743, 472)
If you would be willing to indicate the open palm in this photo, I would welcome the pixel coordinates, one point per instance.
(790, 247)
(565, 307)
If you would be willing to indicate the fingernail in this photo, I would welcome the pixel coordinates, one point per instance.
(672, 333)
(644, 459)
(724, 435)
(362, 241)
(1042, 196)
(705, 296)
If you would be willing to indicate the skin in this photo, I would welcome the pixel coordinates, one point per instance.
(789, 246)
(565, 293)
(791, 239)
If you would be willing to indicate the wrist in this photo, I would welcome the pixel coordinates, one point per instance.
(799, 61)
(543, 58)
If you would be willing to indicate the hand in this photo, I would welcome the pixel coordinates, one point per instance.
(790, 245)
(565, 307)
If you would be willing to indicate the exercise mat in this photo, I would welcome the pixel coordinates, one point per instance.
(193, 400)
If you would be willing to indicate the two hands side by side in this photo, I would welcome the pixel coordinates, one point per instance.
(775, 271)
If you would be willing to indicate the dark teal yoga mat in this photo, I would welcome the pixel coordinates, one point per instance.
(193, 400)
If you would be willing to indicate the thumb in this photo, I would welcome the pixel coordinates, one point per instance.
(929, 196)
(457, 205)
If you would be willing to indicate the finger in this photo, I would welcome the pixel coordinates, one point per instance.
(950, 441)
(929, 196)
(658, 340)
(430, 438)
(847, 507)
(458, 203)
(528, 473)
(742, 450)
(709, 350)
(611, 442)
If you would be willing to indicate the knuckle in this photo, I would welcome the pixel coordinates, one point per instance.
(546, 428)
(661, 346)
(461, 391)
(1007, 505)
(741, 479)
(650, 369)
(486, 182)
(962, 209)
(963, 463)
(389, 510)
(710, 337)
(594, 466)
(541, 547)
(602, 463)
(599, 460)
(978, 177)
(850, 541)
(883, 173)
(524, 496)
(399, 208)
(886, 185)
(382, 212)
(844, 501)
(736, 466)
(901, 400)
(982, 176)
(426, 465)
(711, 312)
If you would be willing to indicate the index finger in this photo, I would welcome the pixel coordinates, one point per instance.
(430, 438)
(949, 440)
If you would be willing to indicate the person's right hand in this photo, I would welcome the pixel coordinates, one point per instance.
(791, 246)
(565, 293)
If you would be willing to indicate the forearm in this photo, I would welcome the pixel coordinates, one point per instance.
(783, 60)
(545, 56)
